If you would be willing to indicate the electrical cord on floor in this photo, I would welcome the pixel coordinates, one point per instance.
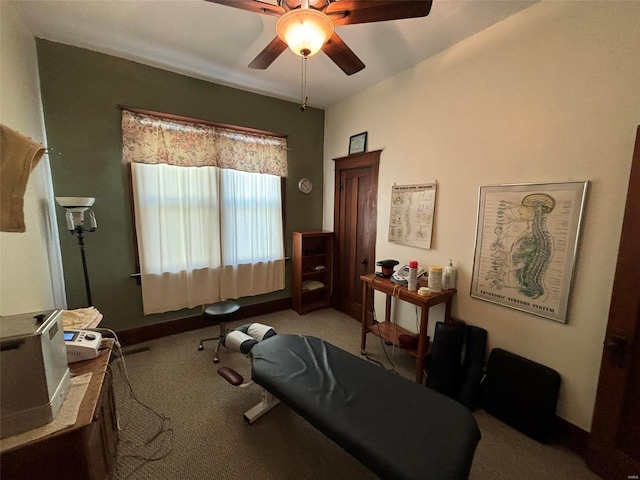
(384, 349)
(424, 370)
(160, 442)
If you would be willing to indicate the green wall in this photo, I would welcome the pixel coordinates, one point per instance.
(80, 92)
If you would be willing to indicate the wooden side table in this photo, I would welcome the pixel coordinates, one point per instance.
(84, 450)
(389, 331)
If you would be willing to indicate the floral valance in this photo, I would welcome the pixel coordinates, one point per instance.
(151, 139)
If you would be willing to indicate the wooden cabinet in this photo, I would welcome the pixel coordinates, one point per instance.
(312, 283)
(84, 450)
(390, 331)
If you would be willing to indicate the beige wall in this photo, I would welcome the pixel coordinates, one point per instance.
(548, 95)
(28, 261)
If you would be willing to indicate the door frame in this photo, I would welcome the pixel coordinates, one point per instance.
(603, 455)
(358, 160)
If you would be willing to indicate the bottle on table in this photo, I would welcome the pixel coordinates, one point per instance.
(435, 278)
(449, 276)
(413, 276)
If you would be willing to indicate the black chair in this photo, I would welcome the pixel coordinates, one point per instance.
(220, 312)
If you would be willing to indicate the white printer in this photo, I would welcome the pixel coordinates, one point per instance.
(35, 374)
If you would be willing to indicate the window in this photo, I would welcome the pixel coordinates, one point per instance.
(251, 218)
(204, 233)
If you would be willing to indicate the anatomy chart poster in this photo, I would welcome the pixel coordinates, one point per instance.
(526, 242)
(411, 220)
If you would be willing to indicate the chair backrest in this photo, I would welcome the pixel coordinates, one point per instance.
(445, 360)
(475, 350)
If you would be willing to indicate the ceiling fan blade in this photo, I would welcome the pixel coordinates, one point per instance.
(342, 55)
(269, 54)
(255, 6)
(348, 12)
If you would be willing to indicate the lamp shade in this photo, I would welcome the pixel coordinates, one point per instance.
(304, 30)
(76, 204)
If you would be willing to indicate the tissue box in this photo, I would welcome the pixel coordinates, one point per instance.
(35, 375)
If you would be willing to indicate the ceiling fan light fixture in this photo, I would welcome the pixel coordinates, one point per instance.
(304, 30)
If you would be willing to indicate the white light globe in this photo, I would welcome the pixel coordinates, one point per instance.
(305, 31)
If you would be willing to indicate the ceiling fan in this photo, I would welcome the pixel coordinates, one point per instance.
(307, 26)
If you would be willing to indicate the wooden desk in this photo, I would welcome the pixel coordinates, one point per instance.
(391, 332)
(84, 450)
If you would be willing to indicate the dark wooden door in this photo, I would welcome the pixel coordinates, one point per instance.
(355, 216)
(614, 442)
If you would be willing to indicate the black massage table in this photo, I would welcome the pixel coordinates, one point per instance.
(395, 427)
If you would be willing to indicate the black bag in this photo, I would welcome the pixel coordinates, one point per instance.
(444, 369)
(475, 349)
(521, 393)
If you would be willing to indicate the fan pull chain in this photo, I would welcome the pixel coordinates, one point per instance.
(303, 84)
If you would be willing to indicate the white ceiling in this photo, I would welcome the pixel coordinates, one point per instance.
(216, 43)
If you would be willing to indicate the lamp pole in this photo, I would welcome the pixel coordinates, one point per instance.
(79, 231)
(76, 208)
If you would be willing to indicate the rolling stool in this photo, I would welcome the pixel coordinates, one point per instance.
(222, 313)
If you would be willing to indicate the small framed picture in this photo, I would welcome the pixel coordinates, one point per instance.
(358, 143)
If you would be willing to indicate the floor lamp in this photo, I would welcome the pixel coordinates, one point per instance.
(76, 208)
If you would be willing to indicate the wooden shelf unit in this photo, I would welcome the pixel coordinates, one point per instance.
(390, 332)
(312, 250)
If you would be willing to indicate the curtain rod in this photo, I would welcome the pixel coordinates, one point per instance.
(181, 118)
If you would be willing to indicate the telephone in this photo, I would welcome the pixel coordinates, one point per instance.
(401, 277)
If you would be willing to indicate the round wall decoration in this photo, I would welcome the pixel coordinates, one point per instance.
(305, 185)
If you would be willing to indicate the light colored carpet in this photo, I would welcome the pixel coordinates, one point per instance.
(203, 435)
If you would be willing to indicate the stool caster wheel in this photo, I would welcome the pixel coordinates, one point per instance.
(216, 360)
(200, 347)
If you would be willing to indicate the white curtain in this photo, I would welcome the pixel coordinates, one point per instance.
(251, 230)
(206, 234)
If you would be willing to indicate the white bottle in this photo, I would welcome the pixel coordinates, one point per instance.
(413, 276)
(435, 278)
(449, 276)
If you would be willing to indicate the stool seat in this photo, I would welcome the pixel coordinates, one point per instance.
(221, 309)
(220, 312)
